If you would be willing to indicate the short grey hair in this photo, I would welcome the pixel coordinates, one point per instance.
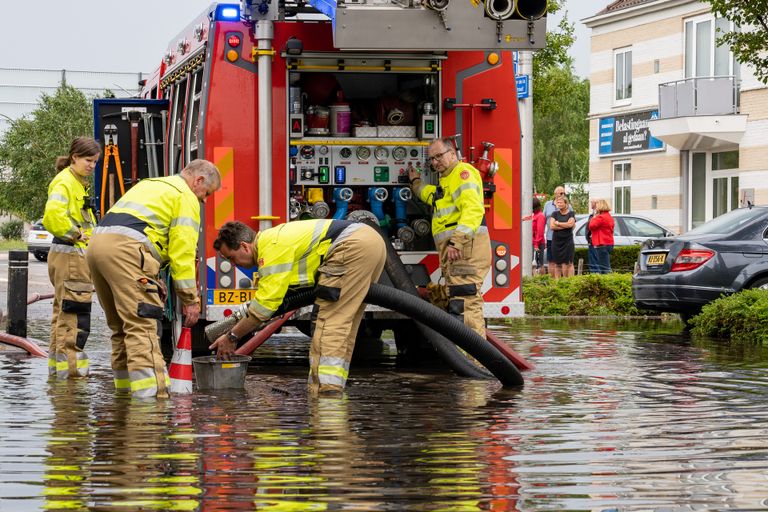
(206, 169)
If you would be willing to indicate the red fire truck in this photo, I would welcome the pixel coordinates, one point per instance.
(318, 110)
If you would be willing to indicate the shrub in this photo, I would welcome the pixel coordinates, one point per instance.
(12, 230)
(592, 294)
(623, 258)
(740, 316)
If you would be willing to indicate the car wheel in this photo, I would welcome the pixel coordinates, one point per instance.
(760, 283)
(41, 255)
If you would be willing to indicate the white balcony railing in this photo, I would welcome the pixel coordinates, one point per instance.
(699, 96)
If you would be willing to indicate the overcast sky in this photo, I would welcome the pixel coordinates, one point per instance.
(131, 35)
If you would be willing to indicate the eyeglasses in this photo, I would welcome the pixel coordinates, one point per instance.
(436, 157)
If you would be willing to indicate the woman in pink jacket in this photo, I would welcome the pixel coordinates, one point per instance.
(601, 226)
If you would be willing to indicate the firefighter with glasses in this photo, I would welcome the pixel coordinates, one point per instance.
(69, 218)
(458, 227)
(339, 258)
(155, 223)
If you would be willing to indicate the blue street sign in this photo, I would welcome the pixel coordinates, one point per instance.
(522, 86)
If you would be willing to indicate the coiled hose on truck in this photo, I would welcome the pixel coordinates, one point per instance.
(421, 311)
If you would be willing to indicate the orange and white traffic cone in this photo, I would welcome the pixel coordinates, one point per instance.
(180, 370)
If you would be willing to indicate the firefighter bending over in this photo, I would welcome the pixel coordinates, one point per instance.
(69, 218)
(339, 258)
(458, 226)
(155, 223)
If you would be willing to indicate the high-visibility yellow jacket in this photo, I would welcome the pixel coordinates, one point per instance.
(66, 212)
(457, 202)
(168, 213)
(289, 255)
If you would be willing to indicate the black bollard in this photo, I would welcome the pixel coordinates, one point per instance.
(18, 268)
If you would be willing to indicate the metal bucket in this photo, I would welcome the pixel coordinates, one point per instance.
(214, 373)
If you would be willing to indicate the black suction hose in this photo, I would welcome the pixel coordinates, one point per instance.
(448, 352)
(437, 319)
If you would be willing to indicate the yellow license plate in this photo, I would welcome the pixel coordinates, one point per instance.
(41, 236)
(656, 259)
(227, 297)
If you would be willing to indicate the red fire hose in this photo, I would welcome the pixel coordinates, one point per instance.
(23, 343)
(260, 337)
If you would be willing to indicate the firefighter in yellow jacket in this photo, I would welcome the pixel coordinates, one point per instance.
(339, 258)
(459, 230)
(155, 223)
(69, 218)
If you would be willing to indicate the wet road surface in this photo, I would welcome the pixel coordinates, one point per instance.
(616, 416)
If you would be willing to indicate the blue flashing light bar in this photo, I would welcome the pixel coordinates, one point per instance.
(227, 12)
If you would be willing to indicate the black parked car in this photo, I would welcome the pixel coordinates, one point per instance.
(683, 273)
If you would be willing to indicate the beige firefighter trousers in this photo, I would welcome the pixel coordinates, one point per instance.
(464, 278)
(343, 282)
(125, 275)
(71, 320)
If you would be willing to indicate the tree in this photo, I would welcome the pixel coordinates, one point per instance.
(560, 110)
(560, 129)
(29, 149)
(749, 43)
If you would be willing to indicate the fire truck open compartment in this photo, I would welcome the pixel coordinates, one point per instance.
(357, 128)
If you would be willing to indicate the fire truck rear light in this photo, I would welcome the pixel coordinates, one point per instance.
(501, 251)
(501, 279)
(227, 12)
(689, 259)
(504, 310)
(501, 265)
(225, 281)
(232, 55)
(233, 41)
(227, 312)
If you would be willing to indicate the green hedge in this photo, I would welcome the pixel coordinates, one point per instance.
(623, 258)
(592, 294)
(12, 230)
(741, 317)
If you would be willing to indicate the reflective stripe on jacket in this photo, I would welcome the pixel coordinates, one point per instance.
(458, 210)
(168, 213)
(65, 215)
(289, 255)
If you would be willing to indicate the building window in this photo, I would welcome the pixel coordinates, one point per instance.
(714, 185)
(622, 75)
(703, 57)
(622, 195)
(725, 160)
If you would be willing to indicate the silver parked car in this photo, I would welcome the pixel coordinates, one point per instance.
(39, 241)
(628, 230)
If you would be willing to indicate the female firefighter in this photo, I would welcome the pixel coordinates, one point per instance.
(69, 218)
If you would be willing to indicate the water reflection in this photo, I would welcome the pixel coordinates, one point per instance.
(617, 416)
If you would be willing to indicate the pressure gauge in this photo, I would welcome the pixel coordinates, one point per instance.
(381, 153)
(399, 153)
(307, 152)
(323, 150)
(363, 153)
(345, 153)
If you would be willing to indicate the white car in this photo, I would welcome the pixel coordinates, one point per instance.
(627, 230)
(39, 241)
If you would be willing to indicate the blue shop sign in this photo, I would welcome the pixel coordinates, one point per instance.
(628, 133)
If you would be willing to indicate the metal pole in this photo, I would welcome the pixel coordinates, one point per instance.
(526, 162)
(18, 266)
(264, 32)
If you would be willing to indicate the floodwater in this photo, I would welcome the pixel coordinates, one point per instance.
(615, 416)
